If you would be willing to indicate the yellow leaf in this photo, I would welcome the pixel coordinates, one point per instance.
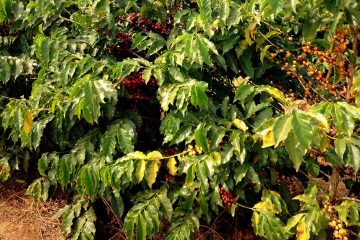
(140, 170)
(154, 155)
(171, 165)
(256, 219)
(324, 142)
(28, 120)
(240, 124)
(151, 172)
(302, 232)
(217, 157)
(268, 139)
(137, 155)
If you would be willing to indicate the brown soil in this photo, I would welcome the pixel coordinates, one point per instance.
(23, 219)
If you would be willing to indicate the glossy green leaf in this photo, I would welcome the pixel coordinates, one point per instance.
(200, 138)
(302, 128)
(295, 150)
(281, 129)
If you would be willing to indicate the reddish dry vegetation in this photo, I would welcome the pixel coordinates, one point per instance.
(23, 219)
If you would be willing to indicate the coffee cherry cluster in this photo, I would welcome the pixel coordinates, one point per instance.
(227, 198)
(315, 153)
(194, 150)
(314, 67)
(148, 25)
(329, 209)
(170, 151)
(339, 232)
(122, 50)
(169, 177)
(294, 185)
(137, 87)
(4, 29)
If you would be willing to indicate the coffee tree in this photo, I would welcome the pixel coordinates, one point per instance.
(174, 110)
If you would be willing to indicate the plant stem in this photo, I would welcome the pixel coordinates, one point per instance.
(351, 71)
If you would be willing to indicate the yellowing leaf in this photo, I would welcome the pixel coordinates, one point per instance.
(151, 172)
(324, 142)
(28, 120)
(268, 139)
(137, 155)
(154, 155)
(217, 157)
(140, 170)
(276, 93)
(171, 165)
(302, 232)
(240, 124)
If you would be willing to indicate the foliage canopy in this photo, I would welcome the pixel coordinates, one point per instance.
(173, 110)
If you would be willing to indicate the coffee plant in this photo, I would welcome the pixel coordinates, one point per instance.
(172, 111)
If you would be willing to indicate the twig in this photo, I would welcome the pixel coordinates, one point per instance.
(243, 206)
(351, 72)
(350, 199)
(210, 229)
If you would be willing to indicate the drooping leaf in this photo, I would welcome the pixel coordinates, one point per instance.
(295, 150)
(151, 172)
(302, 128)
(281, 129)
(28, 119)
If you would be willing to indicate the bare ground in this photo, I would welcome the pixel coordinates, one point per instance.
(23, 219)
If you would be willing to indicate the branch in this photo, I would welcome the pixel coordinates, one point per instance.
(351, 72)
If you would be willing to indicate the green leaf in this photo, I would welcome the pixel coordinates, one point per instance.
(267, 225)
(201, 174)
(263, 52)
(87, 95)
(200, 138)
(281, 128)
(141, 228)
(271, 8)
(64, 170)
(137, 40)
(124, 68)
(340, 147)
(293, 5)
(293, 221)
(240, 172)
(254, 177)
(246, 63)
(295, 150)
(352, 157)
(309, 28)
(89, 180)
(203, 55)
(166, 205)
(243, 92)
(302, 128)
(217, 135)
(198, 95)
(205, 9)
(120, 135)
(5, 70)
(237, 140)
(129, 224)
(224, 10)
(348, 212)
(126, 136)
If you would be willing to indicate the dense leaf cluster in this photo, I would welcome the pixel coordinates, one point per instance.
(93, 94)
